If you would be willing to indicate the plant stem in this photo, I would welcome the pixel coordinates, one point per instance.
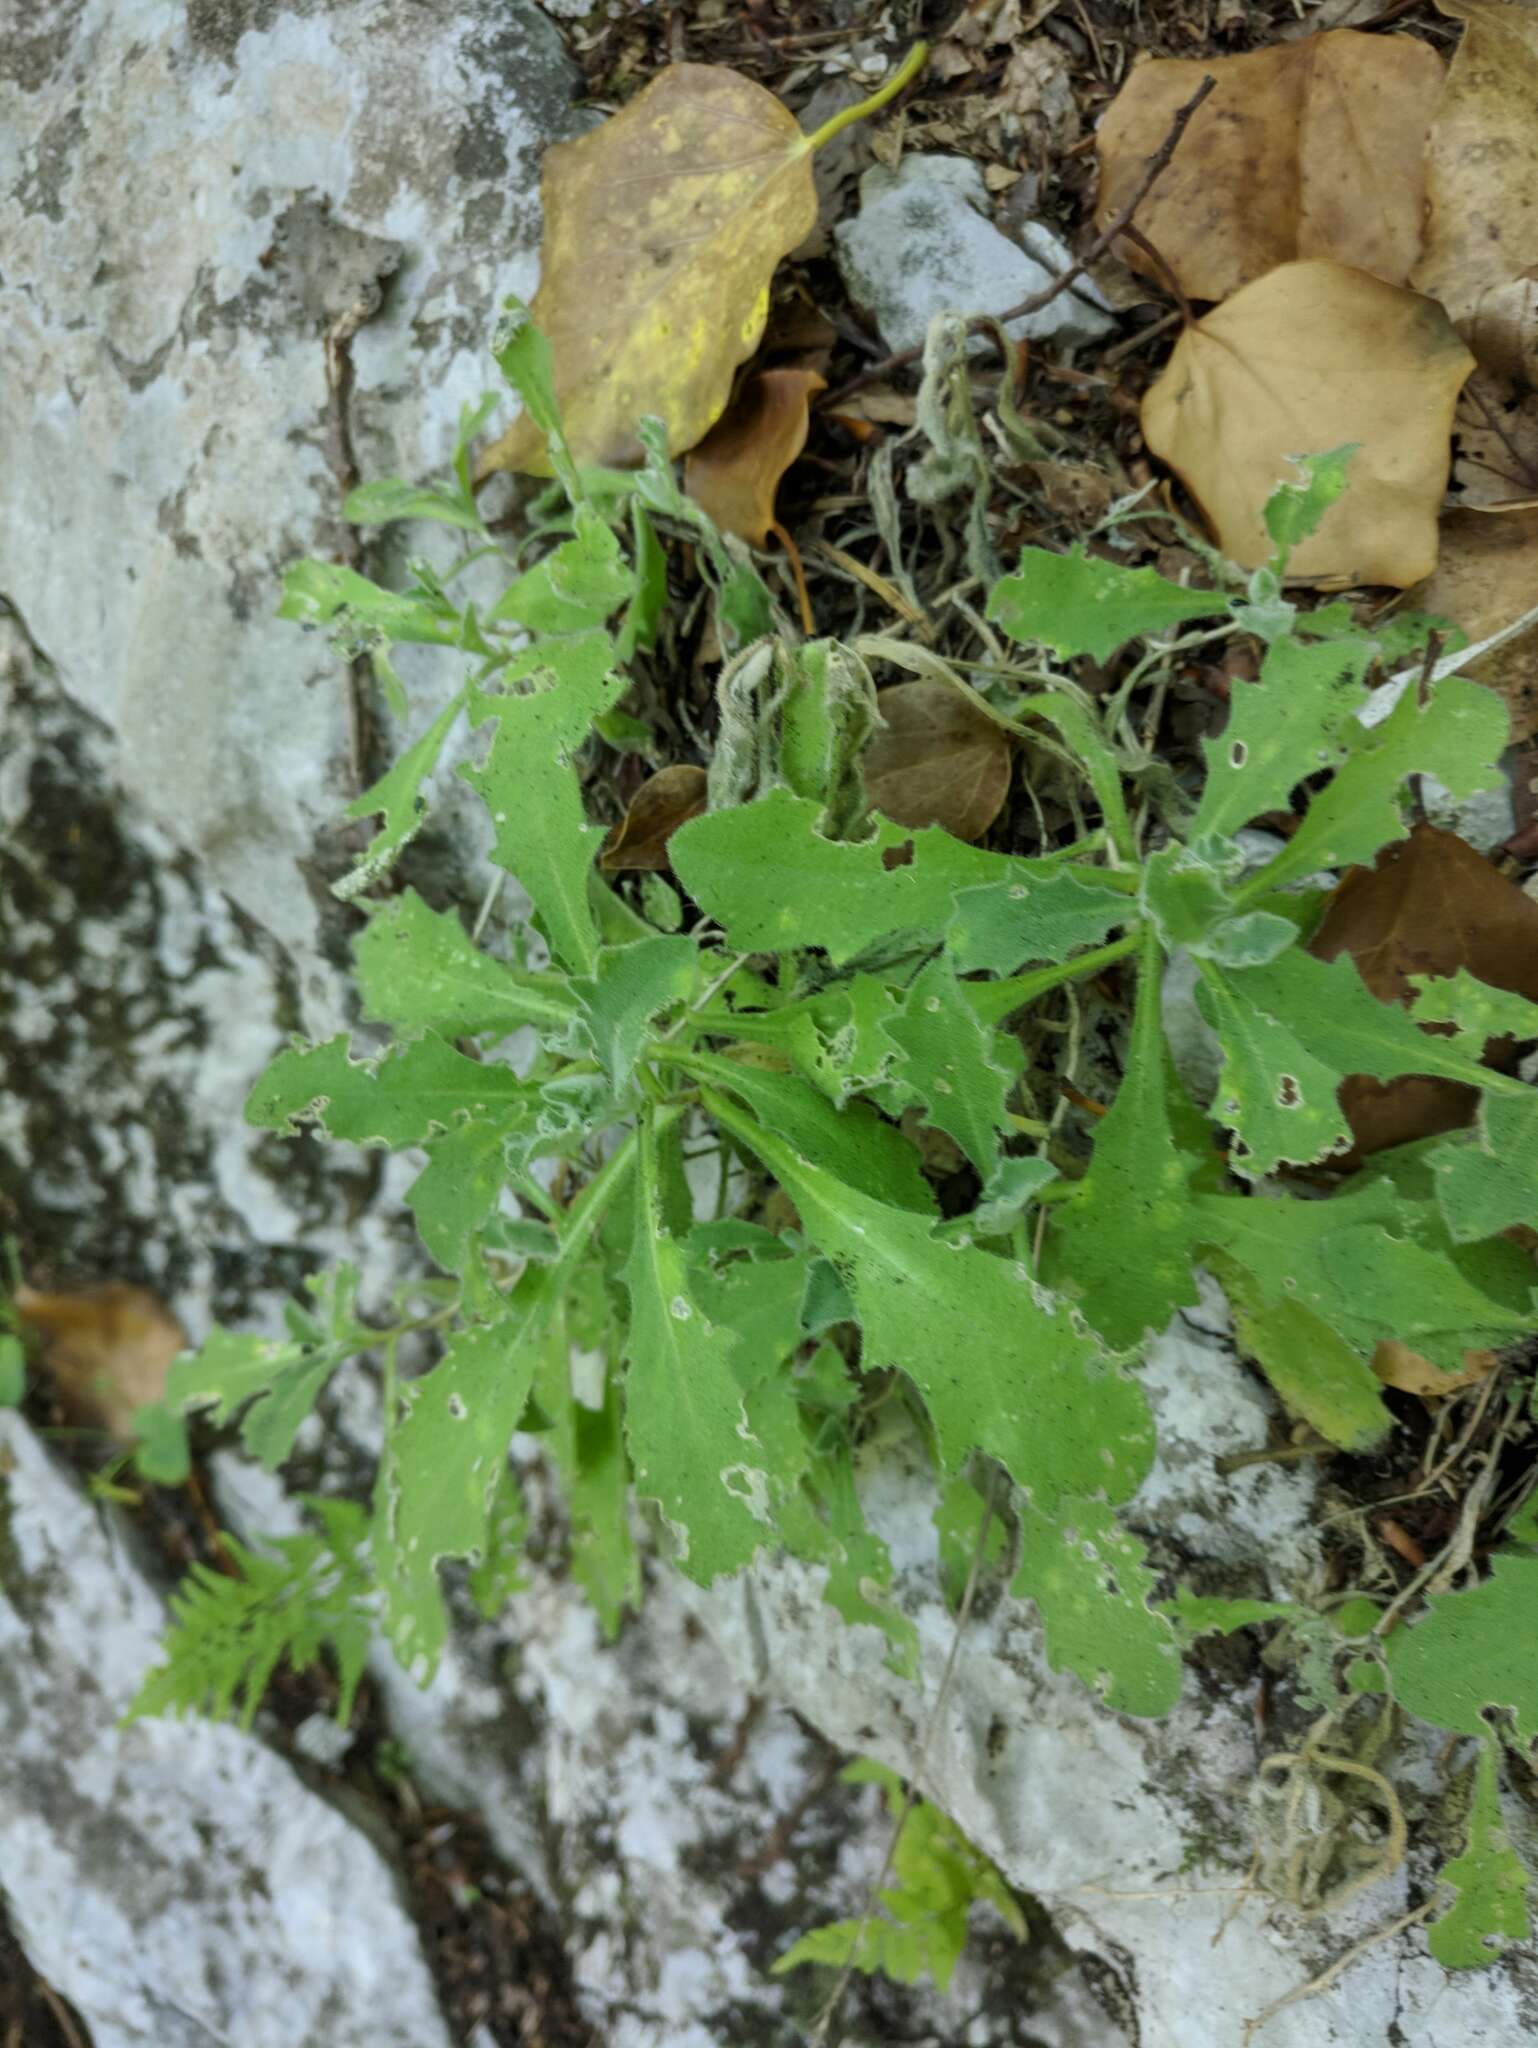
(994, 1001)
(909, 68)
(583, 1216)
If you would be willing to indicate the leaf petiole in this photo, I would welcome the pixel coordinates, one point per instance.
(909, 68)
(994, 1001)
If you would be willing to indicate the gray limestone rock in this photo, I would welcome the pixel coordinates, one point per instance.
(189, 199)
(174, 1880)
(136, 1008)
(923, 243)
(1134, 1835)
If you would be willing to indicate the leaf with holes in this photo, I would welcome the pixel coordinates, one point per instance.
(1090, 1581)
(1001, 1366)
(950, 1062)
(1431, 906)
(399, 1099)
(1043, 913)
(529, 783)
(1458, 736)
(1296, 720)
(444, 1460)
(765, 873)
(1077, 604)
(1291, 1031)
(690, 1441)
(1473, 1650)
(419, 970)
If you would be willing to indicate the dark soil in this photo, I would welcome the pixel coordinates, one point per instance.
(32, 2014)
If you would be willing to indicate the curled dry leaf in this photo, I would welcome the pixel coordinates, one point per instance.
(1503, 331)
(662, 230)
(1430, 906)
(1486, 576)
(665, 801)
(735, 471)
(936, 761)
(1310, 356)
(1482, 159)
(108, 1348)
(881, 405)
(1311, 148)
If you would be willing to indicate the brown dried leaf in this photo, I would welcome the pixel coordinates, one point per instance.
(1496, 424)
(1503, 331)
(1312, 148)
(1482, 158)
(1486, 576)
(1430, 906)
(665, 801)
(736, 470)
(882, 405)
(108, 1348)
(936, 761)
(1398, 1366)
(662, 230)
(1077, 492)
(1308, 357)
(1029, 108)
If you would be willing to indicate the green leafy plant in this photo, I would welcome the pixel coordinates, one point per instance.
(937, 1877)
(825, 980)
(13, 1371)
(230, 1631)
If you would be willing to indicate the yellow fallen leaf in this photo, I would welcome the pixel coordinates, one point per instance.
(1486, 576)
(1312, 148)
(935, 761)
(1482, 158)
(663, 227)
(735, 471)
(662, 230)
(1308, 357)
(108, 1348)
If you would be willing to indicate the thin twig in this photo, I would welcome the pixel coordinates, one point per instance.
(1438, 1574)
(342, 462)
(1174, 318)
(1152, 170)
(61, 2014)
(1341, 1963)
(777, 1843)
